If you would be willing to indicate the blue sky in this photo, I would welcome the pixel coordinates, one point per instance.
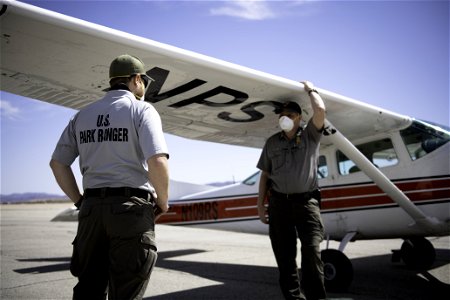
(392, 54)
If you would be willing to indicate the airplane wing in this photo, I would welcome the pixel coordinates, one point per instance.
(63, 60)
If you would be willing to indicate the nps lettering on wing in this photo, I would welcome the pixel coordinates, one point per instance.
(160, 75)
(104, 133)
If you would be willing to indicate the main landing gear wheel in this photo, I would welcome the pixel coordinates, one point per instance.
(338, 270)
(418, 253)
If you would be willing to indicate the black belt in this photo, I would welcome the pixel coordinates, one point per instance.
(298, 196)
(119, 191)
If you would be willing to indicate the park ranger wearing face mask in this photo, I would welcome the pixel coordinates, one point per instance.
(289, 181)
(286, 123)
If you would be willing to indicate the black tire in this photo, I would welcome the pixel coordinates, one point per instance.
(338, 270)
(418, 253)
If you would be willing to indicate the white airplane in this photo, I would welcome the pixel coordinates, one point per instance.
(395, 183)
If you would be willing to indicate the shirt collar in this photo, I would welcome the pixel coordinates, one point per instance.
(283, 136)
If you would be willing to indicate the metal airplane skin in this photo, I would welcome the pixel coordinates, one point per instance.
(382, 174)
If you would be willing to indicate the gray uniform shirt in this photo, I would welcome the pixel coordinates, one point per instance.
(114, 137)
(292, 164)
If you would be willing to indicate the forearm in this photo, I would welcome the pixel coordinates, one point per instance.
(317, 105)
(262, 190)
(159, 178)
(262, 208)
(66, 180)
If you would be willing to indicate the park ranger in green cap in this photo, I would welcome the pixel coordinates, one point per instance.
(126, 66)
(123, 158)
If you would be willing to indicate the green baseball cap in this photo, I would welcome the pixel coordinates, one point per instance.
(127, 65)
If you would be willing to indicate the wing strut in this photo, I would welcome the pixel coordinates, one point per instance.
(343, 144)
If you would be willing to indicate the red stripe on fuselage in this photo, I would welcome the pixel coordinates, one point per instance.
(371, 195)
(336, 197)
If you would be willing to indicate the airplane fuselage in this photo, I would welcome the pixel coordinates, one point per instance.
(351, 202)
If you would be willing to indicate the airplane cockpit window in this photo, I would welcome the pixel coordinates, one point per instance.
(422, 138)
(381, 153)
(322, 168)
(252, 179)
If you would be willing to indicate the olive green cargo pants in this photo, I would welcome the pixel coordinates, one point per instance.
(114, 250)
(289, 220)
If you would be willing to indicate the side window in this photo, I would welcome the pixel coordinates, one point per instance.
(252, 179)
(345, 164)
(322, 168)
(421, 138)
(381, 153)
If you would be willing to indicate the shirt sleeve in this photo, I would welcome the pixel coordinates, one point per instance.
(313, 132)
(66, 150)
(264, 163)
(151, 136)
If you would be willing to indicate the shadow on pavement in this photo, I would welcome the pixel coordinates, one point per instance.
(373, 275)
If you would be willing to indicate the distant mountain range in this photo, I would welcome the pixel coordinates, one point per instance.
(44, 197)
(32, 197)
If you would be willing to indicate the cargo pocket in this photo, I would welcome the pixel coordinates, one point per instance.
(148, 255)
(315, 223)
(133, 257)
(74, 260)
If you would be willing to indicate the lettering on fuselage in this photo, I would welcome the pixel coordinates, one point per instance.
(200, 211)
(160, 75)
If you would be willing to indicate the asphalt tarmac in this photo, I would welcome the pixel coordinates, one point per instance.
(198, 263)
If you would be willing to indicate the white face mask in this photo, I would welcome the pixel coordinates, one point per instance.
(286, 123)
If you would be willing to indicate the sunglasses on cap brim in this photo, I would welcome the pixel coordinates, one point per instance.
(146, 79)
